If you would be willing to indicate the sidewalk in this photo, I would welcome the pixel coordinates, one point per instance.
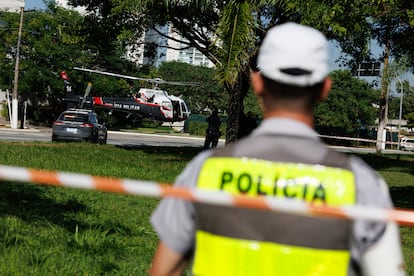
(5, 124)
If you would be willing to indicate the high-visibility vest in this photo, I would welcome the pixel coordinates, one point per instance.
(236, 241)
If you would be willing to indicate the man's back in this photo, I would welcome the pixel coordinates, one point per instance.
(288, 164)
(214, 122)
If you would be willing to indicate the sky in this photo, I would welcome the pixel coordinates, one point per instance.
(34, 4)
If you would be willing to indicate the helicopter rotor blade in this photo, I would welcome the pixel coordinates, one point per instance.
(180, 83)
(161, 81)
(156, 81)
(109, 74)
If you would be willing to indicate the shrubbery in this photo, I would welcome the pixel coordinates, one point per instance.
(5, 111)
(197, 125)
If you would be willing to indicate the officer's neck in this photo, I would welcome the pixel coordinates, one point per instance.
(301, 117)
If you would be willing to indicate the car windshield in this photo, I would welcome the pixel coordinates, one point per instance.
(74, 117)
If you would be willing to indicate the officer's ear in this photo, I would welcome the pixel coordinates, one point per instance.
(257, 83)
(327, 85)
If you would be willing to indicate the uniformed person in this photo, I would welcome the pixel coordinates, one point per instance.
(283, 158)
(213, 129)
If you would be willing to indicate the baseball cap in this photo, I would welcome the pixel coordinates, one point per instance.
(294, 54)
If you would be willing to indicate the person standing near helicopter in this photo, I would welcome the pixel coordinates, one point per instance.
(213, 129)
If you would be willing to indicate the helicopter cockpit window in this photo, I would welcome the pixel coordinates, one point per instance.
(183, 107)
(150, 99)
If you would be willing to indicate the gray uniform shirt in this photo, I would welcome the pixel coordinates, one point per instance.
(174, 218)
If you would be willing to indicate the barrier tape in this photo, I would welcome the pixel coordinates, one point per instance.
(160, 190)
(359, 139)
(352, 139)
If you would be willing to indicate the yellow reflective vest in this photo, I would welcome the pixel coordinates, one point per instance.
(235, 241)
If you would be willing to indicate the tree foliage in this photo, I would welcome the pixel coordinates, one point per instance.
(236, 34)
(227, 32)
(407, 100)
(348, 108)
(55, 40)
(206, 94)
(224, 31)
(50, 43)
(355, 23)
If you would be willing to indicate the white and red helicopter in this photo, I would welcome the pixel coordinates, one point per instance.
(152, 103)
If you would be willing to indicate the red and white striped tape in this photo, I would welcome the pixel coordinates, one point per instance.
(154, 189)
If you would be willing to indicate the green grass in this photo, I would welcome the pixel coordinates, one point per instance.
(398, 171)
(60, 231)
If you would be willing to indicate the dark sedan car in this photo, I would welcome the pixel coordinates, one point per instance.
(79, 125)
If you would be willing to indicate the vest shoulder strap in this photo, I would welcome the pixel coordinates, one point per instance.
(332, 158)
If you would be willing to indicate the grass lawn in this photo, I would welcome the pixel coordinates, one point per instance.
(60, 231)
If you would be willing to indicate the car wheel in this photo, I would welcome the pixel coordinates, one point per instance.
(95, 137)
(54, 139)
(103, 140)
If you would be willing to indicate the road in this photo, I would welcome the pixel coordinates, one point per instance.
(114, 138)
(140, 139)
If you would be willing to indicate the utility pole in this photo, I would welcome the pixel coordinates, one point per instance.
(15, 102)
(383, 110)
(400, 116)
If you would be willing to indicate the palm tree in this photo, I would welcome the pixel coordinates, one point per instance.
(241, 26)
(236, 33)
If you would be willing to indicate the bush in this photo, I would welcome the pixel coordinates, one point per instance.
(5, 111)
(197, 126)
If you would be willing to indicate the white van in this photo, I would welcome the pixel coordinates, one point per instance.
(407, 143)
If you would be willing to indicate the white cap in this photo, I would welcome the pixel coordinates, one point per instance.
(294, 54)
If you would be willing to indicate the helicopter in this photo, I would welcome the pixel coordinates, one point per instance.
(153, 103)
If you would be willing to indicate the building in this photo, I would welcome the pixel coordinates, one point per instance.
(154, 48)
(163, 46)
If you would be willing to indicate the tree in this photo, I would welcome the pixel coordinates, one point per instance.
(105, 29)
(392, 27)
(53, 40)
(410, 119)
(50, 44)
(206, 94)
(225, 31)
(349, 108)
(403, 103)
(242, 24)
(407, 103)
(355, 23)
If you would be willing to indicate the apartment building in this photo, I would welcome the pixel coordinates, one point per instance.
(165, 45)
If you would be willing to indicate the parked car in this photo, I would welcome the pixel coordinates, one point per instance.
(407, 143)
(79, 125)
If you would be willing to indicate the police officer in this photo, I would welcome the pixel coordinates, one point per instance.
(283, 157)
(213, 129)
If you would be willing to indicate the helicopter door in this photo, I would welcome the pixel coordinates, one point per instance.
(185, 111)
(167, 109)
(177, 111)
